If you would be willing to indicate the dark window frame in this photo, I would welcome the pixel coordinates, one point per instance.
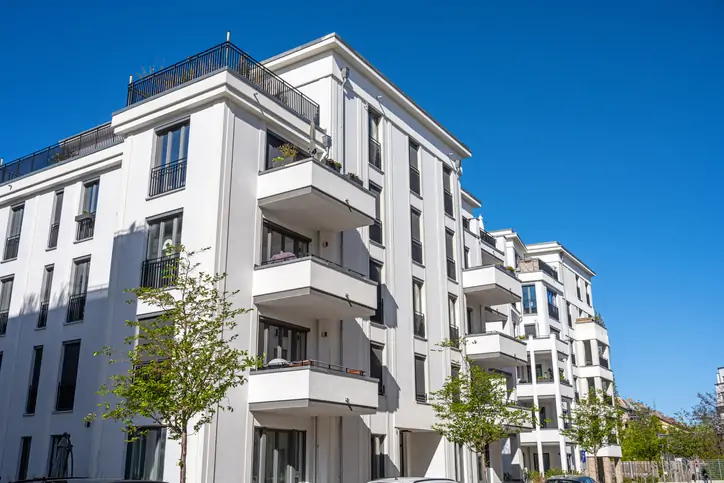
(417, 250)
(296, 331)
(420, 378)
(377, 371)
(376, 230)
(414, 167)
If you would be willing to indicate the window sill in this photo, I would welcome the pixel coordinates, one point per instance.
(83, 240)
(41, 328)
(420, 338)
(74, 322)
(50, 249)
(377, 244)
(28, 415)
(452, 280)
(62, 411)
(416, 195)
(450, 216)
(418, 264)
(161, 195)
(423, 403)
(9, 260)
(378, 324)
(379, 170)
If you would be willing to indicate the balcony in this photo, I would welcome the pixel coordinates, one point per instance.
(544, 389)
(375, 151)
(312, 388)
(169, 177)
(547, 344)
(486, 237)
(496, 349)
(76, 308)
(11, 247)
(225, 56)
(533, 265)
(3, 322)
(308, 193)
(82, 144)
(159, 272)
(491, 285)
(492, 315)
(85, 226)
(314, 287)
(547, 436)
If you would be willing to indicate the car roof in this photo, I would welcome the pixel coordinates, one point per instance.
(83, 480)
(409, 479)
(569, 478)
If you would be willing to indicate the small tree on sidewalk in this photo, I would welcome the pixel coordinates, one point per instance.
(181, 364)
(593, 425)
(473, 409)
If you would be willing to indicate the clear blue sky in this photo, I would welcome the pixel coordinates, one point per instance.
(600, 126)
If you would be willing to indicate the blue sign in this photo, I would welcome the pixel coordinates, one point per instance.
(583, 456)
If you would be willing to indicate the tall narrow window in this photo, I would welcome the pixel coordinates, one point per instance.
(588, 292)
(375, 148)
(452, 319)
(55, 220)
(414, 155)
(376, 228)
(417, 310)
(420, 379)
(78, 290)
(169, 172)
(279, 456)
(415, 217)
(447, 190)
(25, 443)
(578, 287)
(34, 380)
(378, 456)
(466, 258)
(530, 306)
(6, 293)
(281, 341)
(86, 219)
(159, 269)
(57, 462)
(376, 366)
(568, 312)
(45, 291)
(145, 456)
(552, 304)
(450, 254)
(587, 352)
(65, 398)
(15, 225)
(376, 276)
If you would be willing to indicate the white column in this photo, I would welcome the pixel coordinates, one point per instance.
(539, 444)
(559, 404)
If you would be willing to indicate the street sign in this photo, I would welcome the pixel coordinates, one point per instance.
(583, 456)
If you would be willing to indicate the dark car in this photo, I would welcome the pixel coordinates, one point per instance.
(77, 479)
(570, 479)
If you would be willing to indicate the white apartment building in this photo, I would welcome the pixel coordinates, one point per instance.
(720, 390)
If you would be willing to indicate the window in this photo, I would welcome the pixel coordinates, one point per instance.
(55, 220)
(25, 443)
(587, 352)
(34, 380)
(591, 384)
(556, 333)
(568, 312)
(45, 291)
(279, 244)
(281, 341)
(378, 456)
(447, 190)
(452, 319)
(466, 223)
(169, 172)
(416, 235)
(588, 292)
(68, 373)
(279, 456)
(459, 464)
(376, 228)
(145, 456)
(79, 289)
(12, 239)
(450, 254)
(376, 276)
(466, 258)
(420, 379)
(161, 264)
(6, 292)
(417, 310)
(274, 155)
(414, 151)
(376, 365)
(374, 131)
(529, 330)
(529, 300)
(578, 287)
(86, 220)
(57, 460)
(552, 303)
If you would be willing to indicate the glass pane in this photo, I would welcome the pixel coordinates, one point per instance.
(167, 239)
(47, 283)
(5, 294)
(164, 157)
(419, 375)
(449, 244)
(58, 207)
(154, 244)
(415, 225)
(269, 457)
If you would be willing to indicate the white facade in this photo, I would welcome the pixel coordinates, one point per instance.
(720, 390)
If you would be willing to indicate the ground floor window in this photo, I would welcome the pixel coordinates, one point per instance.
(146, 454)
(546, 462)
(279, 456)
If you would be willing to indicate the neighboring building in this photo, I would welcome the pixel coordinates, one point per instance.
(720, 390)
(629, 405)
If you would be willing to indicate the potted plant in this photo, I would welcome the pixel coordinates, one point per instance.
(354, 178)
(522, 337)
(288, 151)
(510, 269)
(333, 164)
(62, 155)
(85, 215)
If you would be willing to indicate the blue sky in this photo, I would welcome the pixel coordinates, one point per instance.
(597, 124)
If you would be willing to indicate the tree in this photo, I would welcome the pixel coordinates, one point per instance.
(705, 413)
(691, 439)
(472, 409)
(182, 363)
(593, 424)
(640, 436)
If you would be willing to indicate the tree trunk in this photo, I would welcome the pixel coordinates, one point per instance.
(592, 467)
(182, 459)
(485, 467)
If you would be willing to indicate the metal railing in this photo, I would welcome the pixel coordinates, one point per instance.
(4, 322)
(545, 268)
(43, 315)
(159, 272)
(487, 238)
(301, 256)
(65, 398)
(168, 177)
(87, 142)
(76, 308)
(553, 311)
(11, 247)
(375, 153)
(85, 228)
(53, 235)
(418, 321)
(421, 397)
(224, 56)
(313, 363)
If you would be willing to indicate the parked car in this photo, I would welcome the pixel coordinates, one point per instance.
(78, 479)
(413, 479)
(570, 479)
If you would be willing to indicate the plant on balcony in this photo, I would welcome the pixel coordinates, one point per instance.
(472, 408)
(64, 153)
(183, 362)
(592, 424)
(510, 269)
(288, 151)
(333, 164)
(522, 337)
(354, 178)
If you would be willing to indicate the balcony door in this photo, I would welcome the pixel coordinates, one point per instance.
(163, 234)
(281, 341)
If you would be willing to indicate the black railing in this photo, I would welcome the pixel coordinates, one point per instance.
(553, 311)
(301, 256)
(159, 272)
(487, 238)
(421, 397)
(84, 143)
(416, 251)
(4, 322)
(11, 247)
(168, 177)
(448, 202)
(545, 268)
(375, 153)
(43, 315)
(239, 63)
(76, 308)
(312, 363)
(85, 228)
(30, 403)
(53, 235)
(376, 232)
(65, 398)
(455, 336)
(418, 321)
